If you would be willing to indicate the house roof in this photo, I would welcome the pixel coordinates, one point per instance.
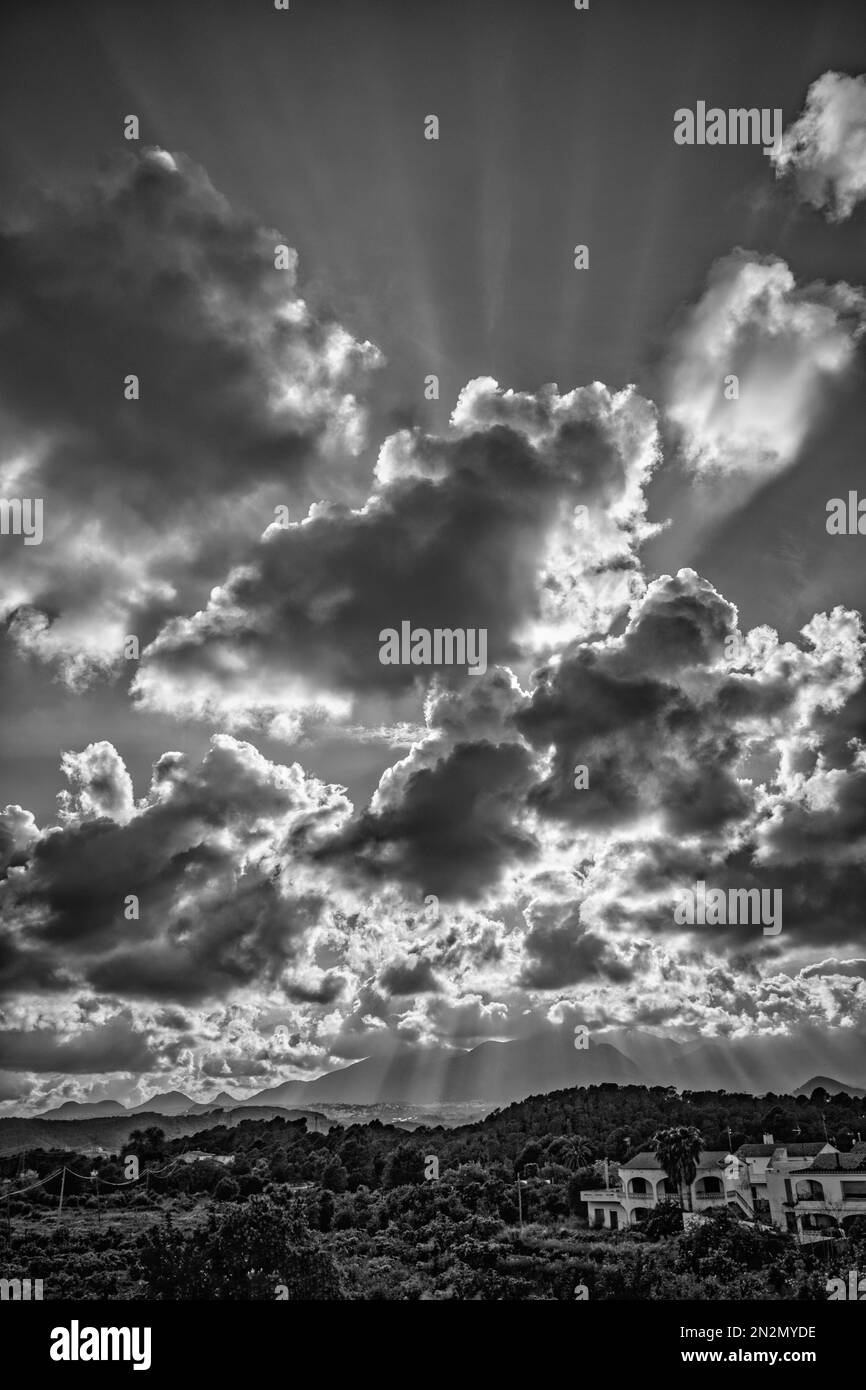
(756, 1150)
(803, 1150)
(710, 1158)
(836, 1163)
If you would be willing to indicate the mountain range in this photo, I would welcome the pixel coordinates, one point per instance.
(499, 1072)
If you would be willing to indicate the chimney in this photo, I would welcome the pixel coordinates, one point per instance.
(768, 1139)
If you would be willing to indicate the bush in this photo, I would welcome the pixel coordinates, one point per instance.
(248, 1253)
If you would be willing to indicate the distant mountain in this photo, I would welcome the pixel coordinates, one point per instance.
(83, 1110)
(221, 1102)
(169, 1103)
(112, 1132)
(656, 1057)
(495, 1072)
(761, 1064)
(832, 1087)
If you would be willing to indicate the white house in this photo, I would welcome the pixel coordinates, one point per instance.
(820, 1197)
(807, 1189)
(643, 1183)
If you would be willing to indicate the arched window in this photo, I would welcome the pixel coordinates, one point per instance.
(808, 1190)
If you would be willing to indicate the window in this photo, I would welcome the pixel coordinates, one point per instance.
(809, 1191)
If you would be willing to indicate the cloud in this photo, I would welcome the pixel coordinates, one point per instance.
(147, 270)
(452, 828)
(824, 151)
(203, 853)
(784, 343)
(561, 952)
(855, 969)
(18, 833)
(656, 716)
(409, 976)
(101, 785)
(115, 1046)
(473, 529)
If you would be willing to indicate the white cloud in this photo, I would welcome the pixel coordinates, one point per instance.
(825, 149)
(783, 343)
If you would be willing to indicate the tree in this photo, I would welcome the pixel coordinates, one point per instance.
(335, 1178)
(678, 1151)
(579, 1154)
(404, 1165)
(248, 1252)
(666, 1219)
(148, 1144)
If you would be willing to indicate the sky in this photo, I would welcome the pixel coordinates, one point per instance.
(647, 553)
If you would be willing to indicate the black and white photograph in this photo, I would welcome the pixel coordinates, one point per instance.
(432, 663)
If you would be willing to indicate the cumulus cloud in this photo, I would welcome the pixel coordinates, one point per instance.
(266, 897)
(244, 389)
(18, 833)
(824, 151)
(475, 529)
(783, 343)
(203, 854)
(280, 927)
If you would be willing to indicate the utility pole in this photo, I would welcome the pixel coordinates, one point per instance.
(95, 1175)
(520, 1205)
(62, 1187)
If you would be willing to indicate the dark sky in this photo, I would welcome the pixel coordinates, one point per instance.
(452, 257)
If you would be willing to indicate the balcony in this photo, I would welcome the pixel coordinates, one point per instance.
(603, 1194)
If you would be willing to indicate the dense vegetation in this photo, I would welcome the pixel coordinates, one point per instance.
(356, 1213)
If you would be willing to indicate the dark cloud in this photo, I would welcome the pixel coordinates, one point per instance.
(112, 1047)
(563, 953)
(414, 975)
(329, 988)
(148, 270)
(636, 713)
(454, 826)
(203, 856)
(456, 534)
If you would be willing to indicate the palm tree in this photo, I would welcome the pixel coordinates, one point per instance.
(578, 1153)
(678, 1151)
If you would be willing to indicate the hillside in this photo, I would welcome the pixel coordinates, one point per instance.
(112, 1132)
(833, 1088)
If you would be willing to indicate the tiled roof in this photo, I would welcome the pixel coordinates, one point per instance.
(803, 1150)
(836, 1163)
(756, 1150)
(710, 1158)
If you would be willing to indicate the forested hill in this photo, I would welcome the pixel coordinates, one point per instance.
(112, 1132)
(609, 1116)
(613, 1121)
